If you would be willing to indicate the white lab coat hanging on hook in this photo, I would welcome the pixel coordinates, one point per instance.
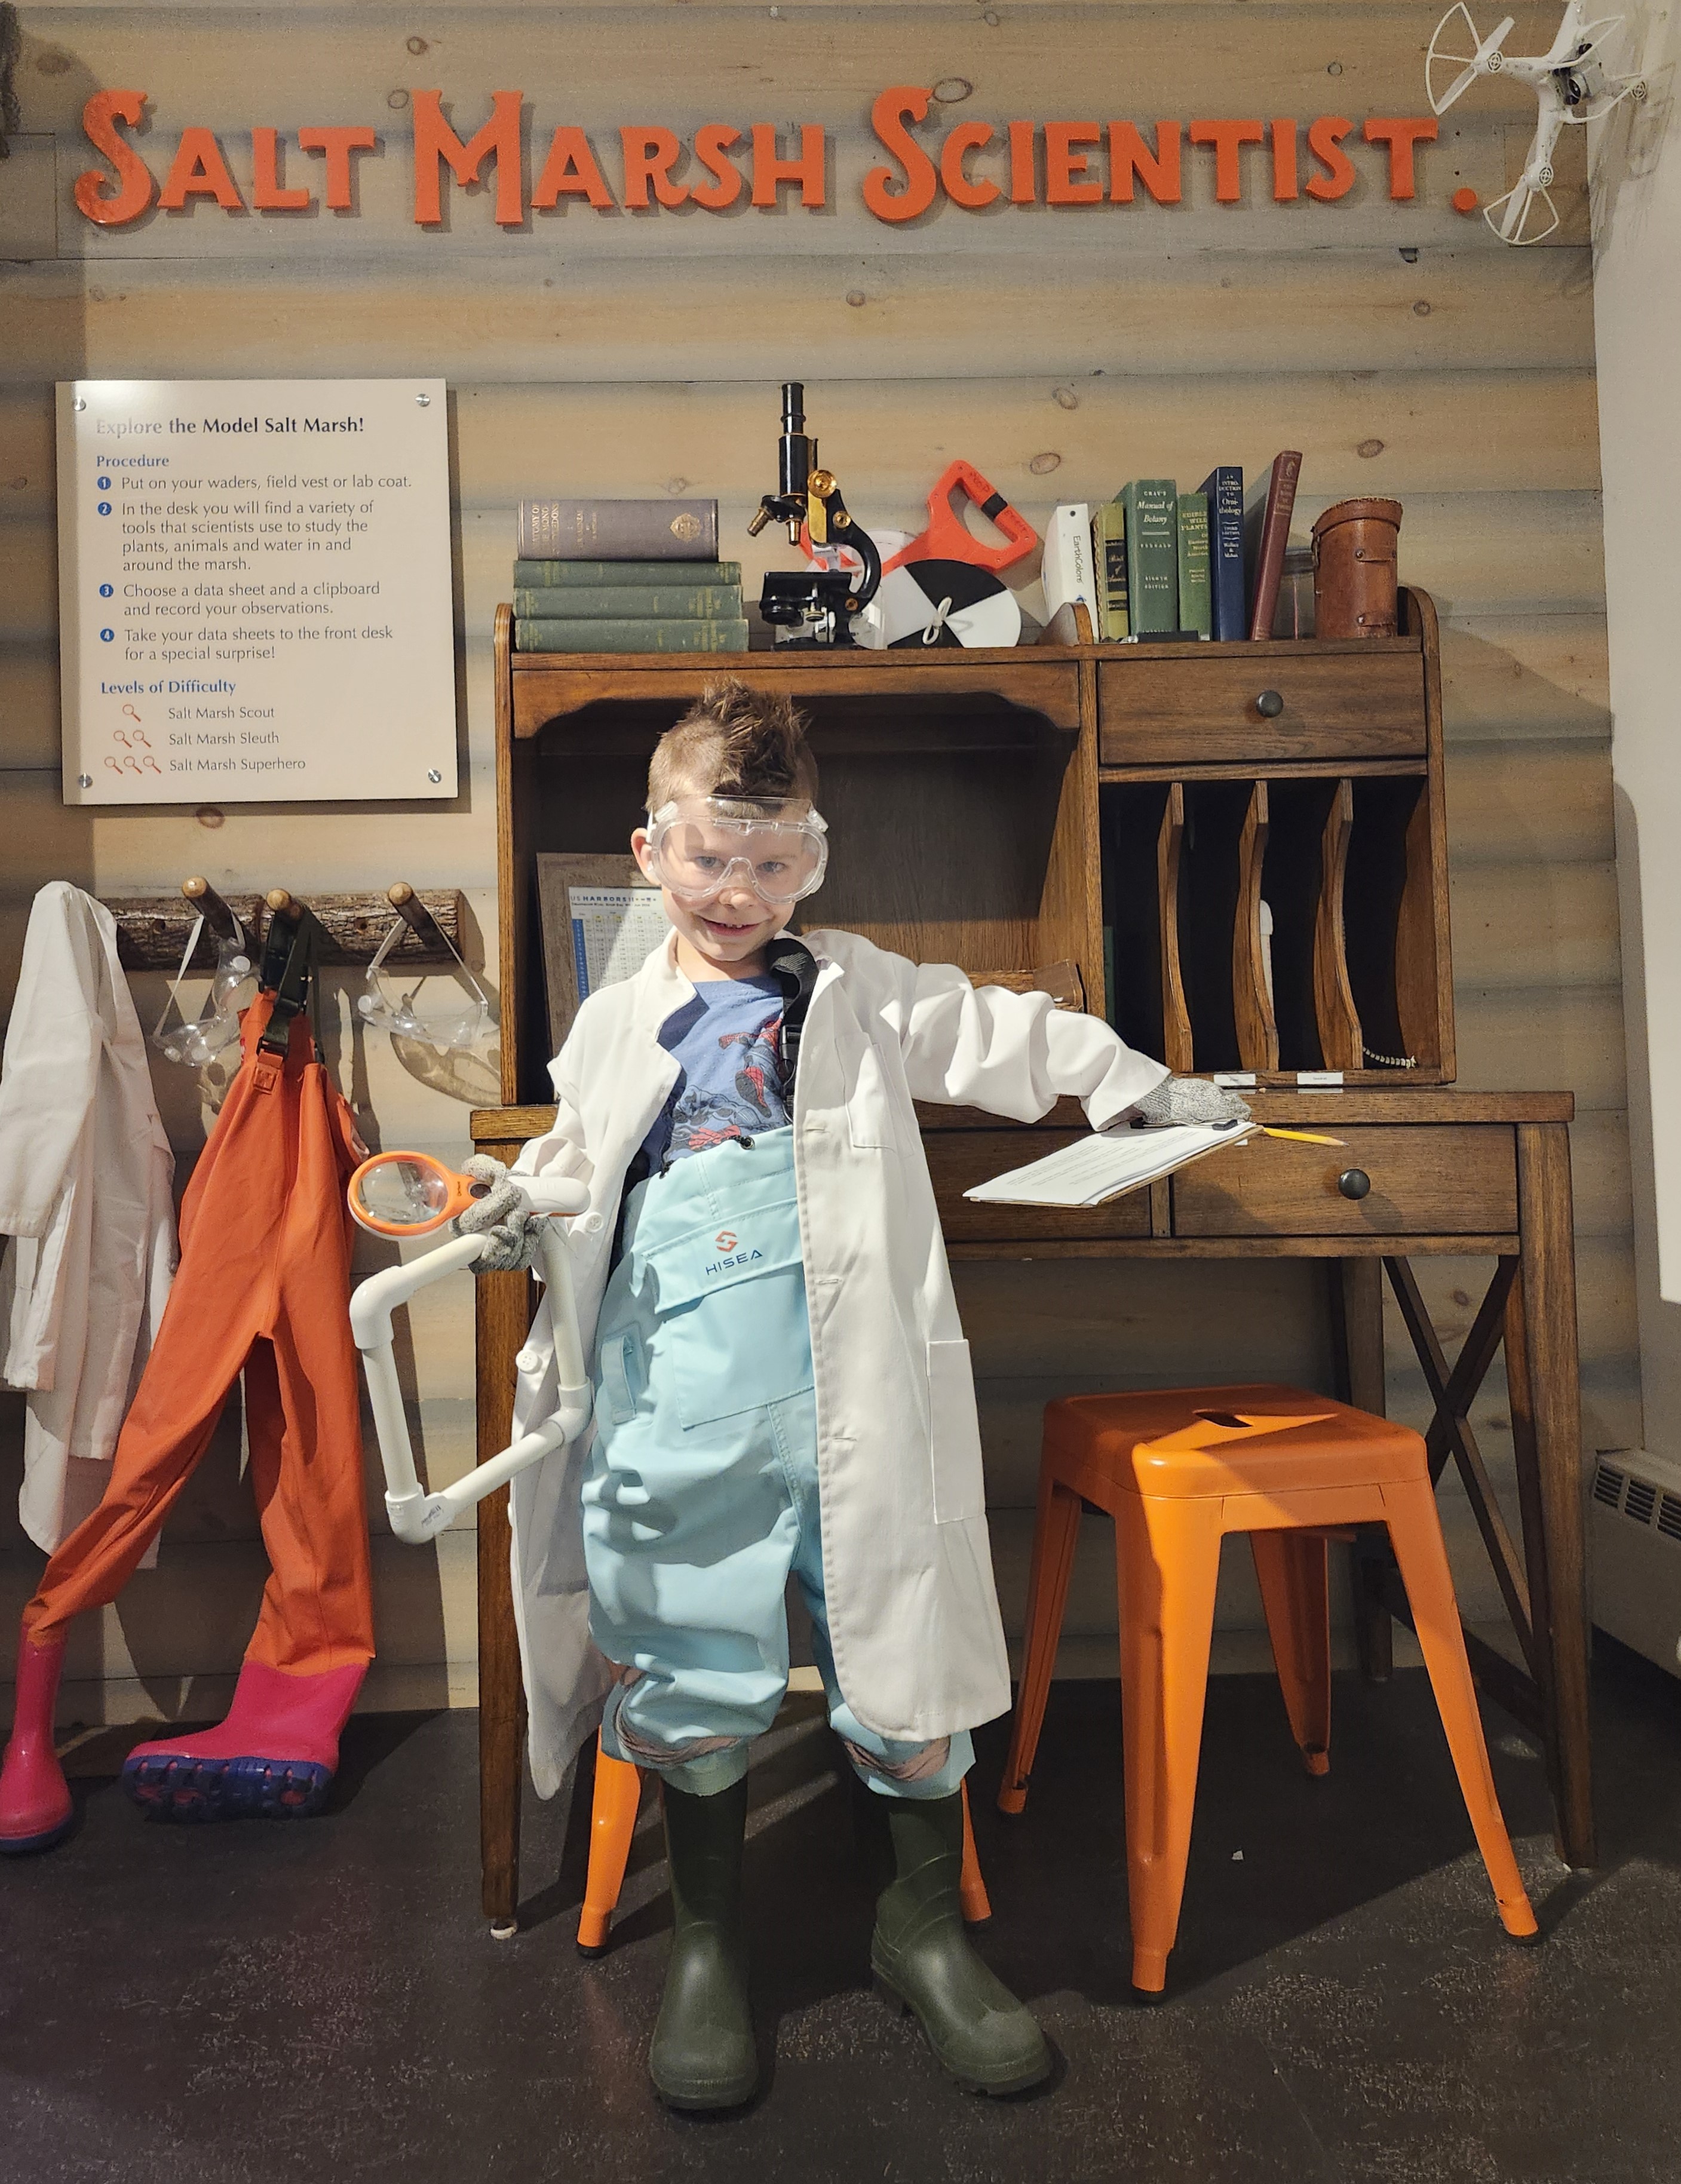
(85, 1175)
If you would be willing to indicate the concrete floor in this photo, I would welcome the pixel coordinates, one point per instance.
(264, 2002)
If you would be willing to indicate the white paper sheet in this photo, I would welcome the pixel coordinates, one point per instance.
(1107, 1163)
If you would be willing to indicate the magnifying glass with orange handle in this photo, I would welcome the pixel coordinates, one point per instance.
(414, 1193)
(409, 1194)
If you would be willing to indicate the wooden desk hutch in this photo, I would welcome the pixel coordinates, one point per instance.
(1248, 841)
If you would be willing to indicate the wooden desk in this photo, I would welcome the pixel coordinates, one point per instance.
(1449, 1173)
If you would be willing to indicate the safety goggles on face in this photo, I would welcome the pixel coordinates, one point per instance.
(217, 1026)
(697, 844)
(441, 1009)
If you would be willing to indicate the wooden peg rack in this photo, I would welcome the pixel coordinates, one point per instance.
(152, 930)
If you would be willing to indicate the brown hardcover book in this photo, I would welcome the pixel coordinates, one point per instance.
(1266, 532)
(618, 530)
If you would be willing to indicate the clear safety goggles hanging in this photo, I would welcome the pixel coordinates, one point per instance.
(696, 844)
(441, 1009)
(217, 1025)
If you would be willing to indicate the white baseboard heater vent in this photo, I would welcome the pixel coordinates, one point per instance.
(1636, 1534)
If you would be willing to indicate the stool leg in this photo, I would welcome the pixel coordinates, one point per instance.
(612, 1823)
(1167, 1563)
(1055, 1531)
(1416, 1530)
(1293, 1574)
(971, 1889)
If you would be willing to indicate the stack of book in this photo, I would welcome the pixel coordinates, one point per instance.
(1155, 563)
(624, 575)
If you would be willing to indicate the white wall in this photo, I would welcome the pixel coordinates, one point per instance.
(1636, 184)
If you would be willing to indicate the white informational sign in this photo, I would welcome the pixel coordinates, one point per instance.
(254, 592)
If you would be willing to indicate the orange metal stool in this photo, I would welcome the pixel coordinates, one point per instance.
(1178, 1468)
(612, 1823)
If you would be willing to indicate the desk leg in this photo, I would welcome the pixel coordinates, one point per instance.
(504, 1313)
(1546, 1418)
(1357, 1329)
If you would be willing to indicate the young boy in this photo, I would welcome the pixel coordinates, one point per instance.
(782, 1385)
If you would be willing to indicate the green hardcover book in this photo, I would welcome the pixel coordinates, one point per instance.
(1109, 560)
(545, 575)
(550, 633)
(1151, 506)
(628, 601)
(1196, 588)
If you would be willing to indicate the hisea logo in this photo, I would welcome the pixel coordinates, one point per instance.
(727, 1241)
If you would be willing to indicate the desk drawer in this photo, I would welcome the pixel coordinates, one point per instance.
(959, 1158)
(1427, 1179)
(1192, 709)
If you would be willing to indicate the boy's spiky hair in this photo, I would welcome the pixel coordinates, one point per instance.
(734, 742)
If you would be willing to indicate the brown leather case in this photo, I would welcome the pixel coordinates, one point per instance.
(1355, 545)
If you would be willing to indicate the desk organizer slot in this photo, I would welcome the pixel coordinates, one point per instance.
(1177, 1047)
(1137, 834)
(1293, 887)
(1391, 921)
(1251, 967)
(1334, 1001)
(1217, 816)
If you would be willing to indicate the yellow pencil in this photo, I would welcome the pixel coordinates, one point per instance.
(1301, 1137)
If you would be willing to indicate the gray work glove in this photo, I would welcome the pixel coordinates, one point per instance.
(502, 1216)
(1190, 1099)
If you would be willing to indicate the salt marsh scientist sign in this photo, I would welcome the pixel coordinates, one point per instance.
(254, 591)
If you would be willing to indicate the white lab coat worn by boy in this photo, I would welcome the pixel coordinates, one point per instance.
(85, 1173)
(914, 1621)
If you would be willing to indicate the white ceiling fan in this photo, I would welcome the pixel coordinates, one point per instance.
(1572, 82)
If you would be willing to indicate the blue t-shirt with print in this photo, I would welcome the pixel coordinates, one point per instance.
(730, 1080)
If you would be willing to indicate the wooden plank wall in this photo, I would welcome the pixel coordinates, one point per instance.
(1063, 350)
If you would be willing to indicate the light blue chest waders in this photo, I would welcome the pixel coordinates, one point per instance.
(702, 1492)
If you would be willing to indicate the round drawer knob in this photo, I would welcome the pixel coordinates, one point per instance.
(1269, 704)
(1354, 1183)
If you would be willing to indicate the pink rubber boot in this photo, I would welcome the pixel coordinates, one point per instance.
(274, 1756)
(34, 1799)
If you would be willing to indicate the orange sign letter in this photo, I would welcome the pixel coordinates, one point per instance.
(711, 142)
(1129, 155)
(1400, 136)
(570, 171)
(1325, 140)
(650, 154)
(1064, 165)
(887, 197)
(769, 172)
(1226, 137)
(967, 137)
(266, 193)
(434, 142)
(337, 144)
(1023, 183)
(114, 208)
(199, 171)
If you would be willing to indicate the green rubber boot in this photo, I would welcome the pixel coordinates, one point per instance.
(922, 1961)
(703, 2055)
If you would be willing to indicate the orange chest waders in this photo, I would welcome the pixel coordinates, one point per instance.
(263, 1290)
